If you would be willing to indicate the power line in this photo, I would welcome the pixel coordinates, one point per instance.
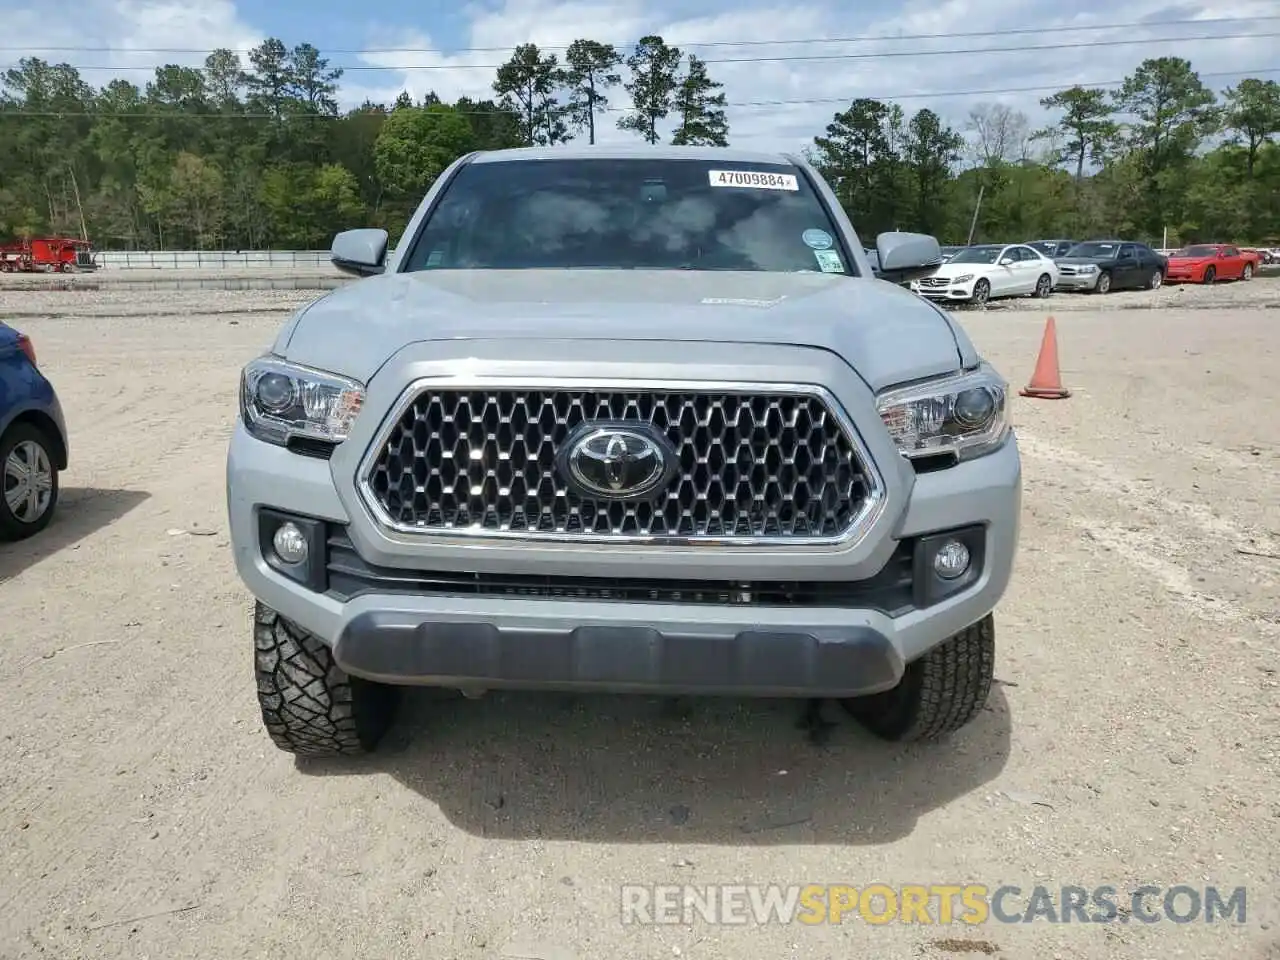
(967, 51)
(816, 101)
(864, 38)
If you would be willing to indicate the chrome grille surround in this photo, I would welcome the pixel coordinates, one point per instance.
(434, 416)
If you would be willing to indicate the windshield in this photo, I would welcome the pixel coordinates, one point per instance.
(1197, 252)
(977, 255)
(1048, 247)
(652, 214)
(1096, 251)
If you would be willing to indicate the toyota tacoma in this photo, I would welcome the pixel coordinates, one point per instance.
(627, 419)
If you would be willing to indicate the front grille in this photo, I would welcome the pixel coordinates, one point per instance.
(775, 466)
(934, 282)
(889, 591)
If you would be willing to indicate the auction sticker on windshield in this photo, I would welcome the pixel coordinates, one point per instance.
(754, 179)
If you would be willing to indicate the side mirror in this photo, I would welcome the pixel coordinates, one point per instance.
(907, 256)
(1006, 261)
(360, 252)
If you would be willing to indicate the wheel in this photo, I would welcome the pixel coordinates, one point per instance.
(1247, 272)
(939, 693)
(30, 482)
(1155, 281)
(981, 293)
(310, 706)
(1104, 283)
(1210, 274)
(1044, 287)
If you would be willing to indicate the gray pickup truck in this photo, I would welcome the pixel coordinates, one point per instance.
(630, 419)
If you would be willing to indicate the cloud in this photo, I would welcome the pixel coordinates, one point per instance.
(133, 36)
(781, 94)
(764, 79)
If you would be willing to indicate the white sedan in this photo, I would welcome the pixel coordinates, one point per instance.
(989, 271)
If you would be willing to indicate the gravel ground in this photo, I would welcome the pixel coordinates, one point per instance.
(1132, 738)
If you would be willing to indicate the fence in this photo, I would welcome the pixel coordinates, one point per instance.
(208, 259)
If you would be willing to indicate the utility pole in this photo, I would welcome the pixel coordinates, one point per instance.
(973, 224)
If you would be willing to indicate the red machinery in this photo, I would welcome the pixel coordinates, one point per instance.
(46, 255)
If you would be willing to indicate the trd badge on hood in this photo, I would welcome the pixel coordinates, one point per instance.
(617, 461)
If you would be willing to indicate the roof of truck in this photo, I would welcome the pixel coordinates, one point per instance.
(631, 151)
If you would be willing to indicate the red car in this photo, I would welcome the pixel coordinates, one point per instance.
(1207, 262)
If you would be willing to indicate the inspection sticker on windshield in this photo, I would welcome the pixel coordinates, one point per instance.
(816, 239)
(754, 179)
(829, 261)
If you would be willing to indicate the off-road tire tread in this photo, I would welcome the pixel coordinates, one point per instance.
(939, 693)
(310, 706)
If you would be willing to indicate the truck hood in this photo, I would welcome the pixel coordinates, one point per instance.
(1080, 261)
(885, 333)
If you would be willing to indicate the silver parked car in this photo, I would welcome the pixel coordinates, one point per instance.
(635, 419)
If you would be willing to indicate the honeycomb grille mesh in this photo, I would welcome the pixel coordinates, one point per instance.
(778, 467)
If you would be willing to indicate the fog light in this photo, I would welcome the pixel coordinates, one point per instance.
(291, 546)
(951, 560)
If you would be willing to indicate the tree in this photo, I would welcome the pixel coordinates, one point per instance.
(590, 70)
(1253, 115)
(1086, 123)
(311, 81)
(653, 67)
(1172, 111)
(527, 86)
(930, 152)
(261, 150)
(224, 79)
(855, 141)
(271, 77)
(1001, 134)
(415, 146)
(700, 102)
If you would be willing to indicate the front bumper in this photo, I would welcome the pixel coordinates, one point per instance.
(953, 292)
(1077, 281)
(457, 636)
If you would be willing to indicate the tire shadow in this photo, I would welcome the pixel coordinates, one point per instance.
(80, 512)
(632, 769)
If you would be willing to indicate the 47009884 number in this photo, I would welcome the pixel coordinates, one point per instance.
(756, 179)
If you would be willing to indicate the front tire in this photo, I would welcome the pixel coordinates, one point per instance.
(1210, 275)
(981, 293)
(939, 693)
(1103, 284)
(1044, 287)
(28, 482)
(310, 706)
(1247, 272)
(1155, 281)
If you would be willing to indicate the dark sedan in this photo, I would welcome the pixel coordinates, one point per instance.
(1100, 266)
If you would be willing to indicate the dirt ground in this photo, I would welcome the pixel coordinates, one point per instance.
(1133, 737)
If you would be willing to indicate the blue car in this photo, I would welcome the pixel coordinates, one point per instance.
(33, 439)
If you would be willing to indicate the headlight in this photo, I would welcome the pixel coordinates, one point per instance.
(963, 278)
(281, 400)
(965, 415)
(1089, 268)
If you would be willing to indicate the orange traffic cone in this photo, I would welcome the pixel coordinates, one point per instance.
(1046, 382)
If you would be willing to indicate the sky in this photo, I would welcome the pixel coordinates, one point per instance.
(786, 67)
